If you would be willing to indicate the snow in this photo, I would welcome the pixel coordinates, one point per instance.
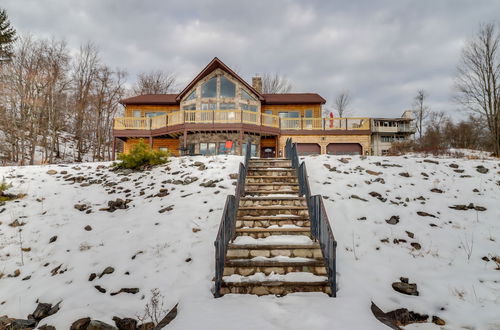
(467, 288)
(290, 277)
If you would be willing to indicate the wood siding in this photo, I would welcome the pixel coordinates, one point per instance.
(301, 108)
(129, 109)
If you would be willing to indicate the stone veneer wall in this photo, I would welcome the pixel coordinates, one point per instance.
(197, 138)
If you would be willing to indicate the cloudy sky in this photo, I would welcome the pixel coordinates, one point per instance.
(381, 51)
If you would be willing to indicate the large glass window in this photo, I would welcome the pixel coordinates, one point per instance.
(289, 114)
(189, 107)
(227, 88)
(248, 107)
(191, 96)
(208, 106)
(227, 106)
(209, 89)
(136, 113)
(308, 113)
(154, 114)
(207, 148)
(246, 96)
(253, 150)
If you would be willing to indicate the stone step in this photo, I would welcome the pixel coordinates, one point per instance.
(273, 201)
(280, 288)
(275, 187)
(272, 210)
(271, 172)
(271, 179)
(270, 192)
(241, 251)
(273, 221)
(266, 232)
(251, 267)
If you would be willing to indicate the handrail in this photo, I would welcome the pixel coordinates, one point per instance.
(228, 222)
(320, 225)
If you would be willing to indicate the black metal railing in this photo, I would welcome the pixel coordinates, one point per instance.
(228, 223)
(320, 225)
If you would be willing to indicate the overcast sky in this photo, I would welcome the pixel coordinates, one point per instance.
(381, 51)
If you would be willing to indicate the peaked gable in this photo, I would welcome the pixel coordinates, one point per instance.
(217, 64)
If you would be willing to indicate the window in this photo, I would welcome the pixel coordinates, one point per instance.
(227, 88)
(208, 106)
(207, 148)
(289, 114)
(227, 147)
(189, 107)
(136, 113)
(246, 96)
(227, 106)
(154, 114)
(308, 113)
(248, 107)
(253, 150)
(209, 89)
(191, 96)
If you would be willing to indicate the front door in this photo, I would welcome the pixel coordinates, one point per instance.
(268, 152)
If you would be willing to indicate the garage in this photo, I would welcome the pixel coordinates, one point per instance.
(344, 149)
(304, 149)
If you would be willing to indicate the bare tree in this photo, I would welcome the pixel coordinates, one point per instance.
(341, 103)
(154, 82)
(273, 83)
(421, 111)
(478, 81)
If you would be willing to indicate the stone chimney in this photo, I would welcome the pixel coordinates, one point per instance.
(257, 84)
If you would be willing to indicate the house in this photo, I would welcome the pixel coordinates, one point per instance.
(218, 111)
(386, 131)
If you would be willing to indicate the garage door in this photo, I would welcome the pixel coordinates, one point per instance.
(304, 149)
(344, 149)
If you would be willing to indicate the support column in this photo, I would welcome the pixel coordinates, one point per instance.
(277, 147)
(184, 143)
(113, 146)
(151, 142)
(241, 143)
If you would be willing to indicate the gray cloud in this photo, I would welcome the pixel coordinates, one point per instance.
(382, 51)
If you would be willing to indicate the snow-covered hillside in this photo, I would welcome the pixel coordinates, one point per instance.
(172, 250)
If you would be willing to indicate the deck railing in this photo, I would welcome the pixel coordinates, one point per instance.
(320, 225)
(240, 116)
(227, 226)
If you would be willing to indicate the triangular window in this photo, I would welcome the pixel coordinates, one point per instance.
(209, 89)
(227, 88)
(246, 96)
(191, 96)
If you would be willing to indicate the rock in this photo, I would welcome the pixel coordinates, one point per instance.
(47, 327)
(375, 194)
(100, 288)
(460, 207)
(87, 228)
(373, 172)
(202, 167)
(453, 165)
(51, 172)
(197, 164)
(437, 320)
(479, 208)
(362, 218)
(80, 207)
(165, 209)
(410, 234)
(344, 160)
(481, 169)
(99, 325)
(195, 230)
(425, 214)
(52, 239)
(146, 326)
(403, 316)
(162, 193)
(125, 323)
(357, 197)
(19, 324)
(116, 204)
(405, 288)
(233, 176)
(106, 271)
(16, 223)
(436, 190)
(126, 290)
(405, 174)
(424, 174)
(393, 220)
(404, 279)
(92, 277)
(431, 161)
(416, 245)
(485, 258)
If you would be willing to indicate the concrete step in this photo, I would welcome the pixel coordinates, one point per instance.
(275, 231)
(279, 288)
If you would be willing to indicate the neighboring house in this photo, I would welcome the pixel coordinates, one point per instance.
(218, 111)
(386, 131)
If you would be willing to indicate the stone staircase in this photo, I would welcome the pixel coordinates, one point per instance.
(273, 251)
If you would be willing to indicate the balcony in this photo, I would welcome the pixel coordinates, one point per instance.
(236, 119)
(394, 129)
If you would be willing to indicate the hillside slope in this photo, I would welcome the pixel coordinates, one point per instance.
(173, 250)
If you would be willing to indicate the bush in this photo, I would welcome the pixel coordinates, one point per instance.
(141, 155)
(3, 187)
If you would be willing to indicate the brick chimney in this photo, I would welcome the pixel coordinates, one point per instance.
(257, 84)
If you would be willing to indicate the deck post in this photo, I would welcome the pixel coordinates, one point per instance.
(151, 142)
(184, 143)
(113, 146)
(241, 142)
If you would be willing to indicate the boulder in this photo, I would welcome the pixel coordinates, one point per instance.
(437, 320)
(233, 176)
(51, 172)
(393, 220)
(19, 324)
(99, 325)
(125, 323)
(405, 174)
(481, 169)
(106, 271)
(373, 172)
(405, 288)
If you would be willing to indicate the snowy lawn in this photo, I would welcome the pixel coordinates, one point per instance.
(173, 251)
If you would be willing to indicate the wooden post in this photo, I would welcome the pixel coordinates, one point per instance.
(113, 146)
(277, 152)
(151, 142)
(241, 142)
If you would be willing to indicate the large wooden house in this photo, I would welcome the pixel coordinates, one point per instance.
(218, 111)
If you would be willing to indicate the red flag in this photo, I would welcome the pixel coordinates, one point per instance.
(331, 119)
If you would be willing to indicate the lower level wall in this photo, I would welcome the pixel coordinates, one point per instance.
(194, 141)
(172, 145)
(324, 140)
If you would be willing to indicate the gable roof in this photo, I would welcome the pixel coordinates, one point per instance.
(216, 64)
(294, 98)
(161, 99)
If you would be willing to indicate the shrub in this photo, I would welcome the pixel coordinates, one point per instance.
(3, 187)
(141, 155)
